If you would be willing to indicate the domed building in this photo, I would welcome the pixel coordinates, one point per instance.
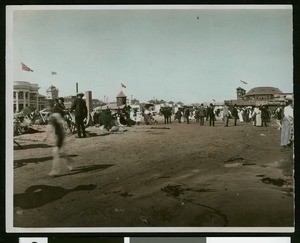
(262, 93)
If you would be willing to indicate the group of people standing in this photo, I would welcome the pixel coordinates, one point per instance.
(201, 114)
(80, 111)
(209, 113)
(259, 116)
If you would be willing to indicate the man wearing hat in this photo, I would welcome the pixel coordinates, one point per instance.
(80, 110)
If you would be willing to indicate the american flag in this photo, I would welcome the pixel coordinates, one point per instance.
(54, 73)
(25, 68)
(123, 86)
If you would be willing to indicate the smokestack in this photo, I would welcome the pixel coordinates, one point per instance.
(88, 100)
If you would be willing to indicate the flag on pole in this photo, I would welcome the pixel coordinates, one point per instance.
(123, 86)
(243, 82)
(53, 73)
(25, 68)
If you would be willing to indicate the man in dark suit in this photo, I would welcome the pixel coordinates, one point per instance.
(187, 115)
(235, 114)
(264, 115)
(80, 108)
(211, 115)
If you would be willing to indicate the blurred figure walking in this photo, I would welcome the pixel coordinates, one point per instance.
(56, 126)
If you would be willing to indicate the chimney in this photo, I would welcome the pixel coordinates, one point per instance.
(88, 100)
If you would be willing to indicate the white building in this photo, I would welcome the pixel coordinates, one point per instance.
(26, 94)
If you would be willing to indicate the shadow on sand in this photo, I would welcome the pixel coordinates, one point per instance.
(22, 162)
(87, 168)
(39, 195)
(32, 146)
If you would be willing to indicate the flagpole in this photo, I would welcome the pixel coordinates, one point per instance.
(76, 88)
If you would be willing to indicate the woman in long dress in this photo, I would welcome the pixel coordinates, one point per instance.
(253, 115)
(258, 118)
(287, 129)
(240, 114)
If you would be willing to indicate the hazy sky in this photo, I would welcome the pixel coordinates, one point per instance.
(188, 55)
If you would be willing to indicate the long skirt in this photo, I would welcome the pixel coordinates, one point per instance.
(241, 117)
(258, 120)
(287, 132)
(61, 164)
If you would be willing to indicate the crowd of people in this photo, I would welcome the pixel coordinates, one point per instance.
(258, 116)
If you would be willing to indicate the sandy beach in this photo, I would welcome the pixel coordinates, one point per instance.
(160, 175)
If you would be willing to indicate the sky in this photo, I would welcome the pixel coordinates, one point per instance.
(192, 55)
